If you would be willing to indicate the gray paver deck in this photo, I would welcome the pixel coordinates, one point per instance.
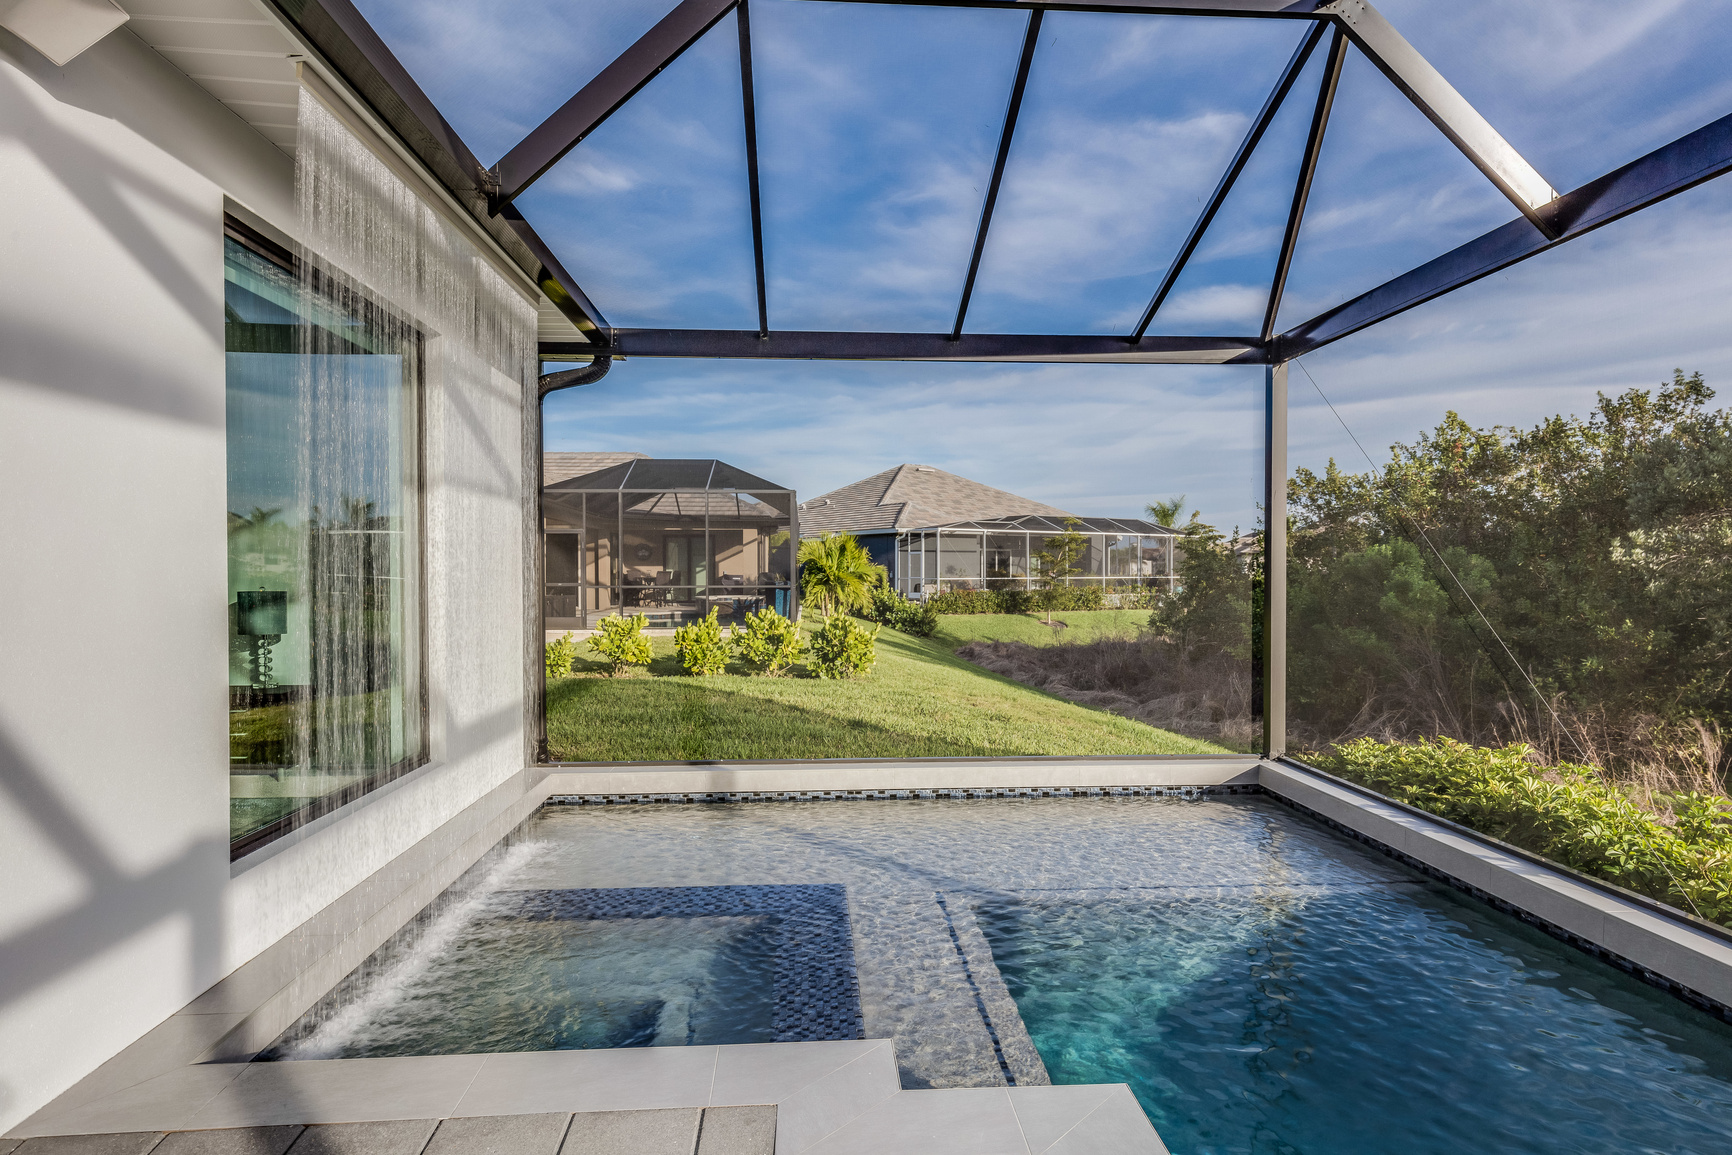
(672, 1131)
(738, 1131)
(231, 1141)
(383, 1137)
(500, 1135)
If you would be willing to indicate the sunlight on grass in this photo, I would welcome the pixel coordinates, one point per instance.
(920, 701)
(957, 630)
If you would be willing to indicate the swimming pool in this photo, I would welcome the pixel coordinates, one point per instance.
(1261, 983)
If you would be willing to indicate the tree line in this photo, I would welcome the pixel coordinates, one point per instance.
(1564, 584)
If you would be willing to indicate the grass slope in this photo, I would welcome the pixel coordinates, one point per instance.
(957, 630)
(920, 701)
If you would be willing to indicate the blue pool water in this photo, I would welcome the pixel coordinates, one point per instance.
(1262, 984)
(1403, 1020)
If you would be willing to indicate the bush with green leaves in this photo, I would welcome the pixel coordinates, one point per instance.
(701, 647)
(843, 648)
(916, 618)
(621, 643)
(1017, 601)
(561, 652)
(768, 644)
(1567, 813)
(889, 608)
(1146, 598)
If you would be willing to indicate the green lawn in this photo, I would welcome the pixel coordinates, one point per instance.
(920, 701)
(957, 630)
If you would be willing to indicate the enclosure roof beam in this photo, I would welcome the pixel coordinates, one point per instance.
(851, 346)
(1382, 44)
(1246, 147)
(1667, 171)
(1287, 9)
(602, 96)
(749, 107)
(1023, 64)
(1307, 173)
(1444, 106)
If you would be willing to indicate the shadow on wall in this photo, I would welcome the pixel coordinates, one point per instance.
(109, 188)
(117, 906)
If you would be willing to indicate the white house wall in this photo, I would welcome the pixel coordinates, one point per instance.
(118, 903)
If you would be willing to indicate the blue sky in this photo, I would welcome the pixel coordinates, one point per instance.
(877, 126)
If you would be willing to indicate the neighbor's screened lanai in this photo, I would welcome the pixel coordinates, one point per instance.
(668, 539)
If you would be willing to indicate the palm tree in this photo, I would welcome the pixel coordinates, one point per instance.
(837, 572)
(1167, 512)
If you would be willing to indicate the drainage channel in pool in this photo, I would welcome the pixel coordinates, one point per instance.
(1262, 983)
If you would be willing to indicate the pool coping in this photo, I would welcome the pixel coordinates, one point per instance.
(834, 779)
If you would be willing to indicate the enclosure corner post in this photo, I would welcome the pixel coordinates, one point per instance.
(1275, 562)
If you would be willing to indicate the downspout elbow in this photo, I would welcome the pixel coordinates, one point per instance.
(570, 378)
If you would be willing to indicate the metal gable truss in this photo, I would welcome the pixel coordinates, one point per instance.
(1547, 218)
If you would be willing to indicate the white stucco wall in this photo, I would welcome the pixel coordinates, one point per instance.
(118, 903)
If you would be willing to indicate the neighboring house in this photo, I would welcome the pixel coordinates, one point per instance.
(933, 530)
(564, 466)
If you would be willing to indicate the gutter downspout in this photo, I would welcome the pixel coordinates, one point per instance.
(545, 384)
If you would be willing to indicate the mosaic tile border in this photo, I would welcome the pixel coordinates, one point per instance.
(1587, 946)
(816, 986)
(959, 793)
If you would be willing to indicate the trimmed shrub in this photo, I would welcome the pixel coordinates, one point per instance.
(621, 643)
(768, 644)
(700, 646)
(561, 652)
(887, 607)
(1567, 813)
(1017, 601)
(843, 648)
(916, 618)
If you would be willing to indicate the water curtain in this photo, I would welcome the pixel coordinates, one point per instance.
(415, 355)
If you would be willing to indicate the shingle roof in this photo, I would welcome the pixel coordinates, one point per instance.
(911, 496)
(641, 474)
(560, 466)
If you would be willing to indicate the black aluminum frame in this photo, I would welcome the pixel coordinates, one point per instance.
(349, 47)
(1698, 157)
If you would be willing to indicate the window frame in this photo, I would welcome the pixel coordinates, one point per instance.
(263, 246)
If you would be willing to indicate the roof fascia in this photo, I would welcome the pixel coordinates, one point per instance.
(349, 56)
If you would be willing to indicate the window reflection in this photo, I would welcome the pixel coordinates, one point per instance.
(324, 532)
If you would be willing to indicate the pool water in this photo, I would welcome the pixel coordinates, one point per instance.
(1262, 984)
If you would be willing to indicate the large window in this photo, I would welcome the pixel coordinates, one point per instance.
(324, 532)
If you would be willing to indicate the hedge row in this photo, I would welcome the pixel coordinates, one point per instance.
(1570, 814)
